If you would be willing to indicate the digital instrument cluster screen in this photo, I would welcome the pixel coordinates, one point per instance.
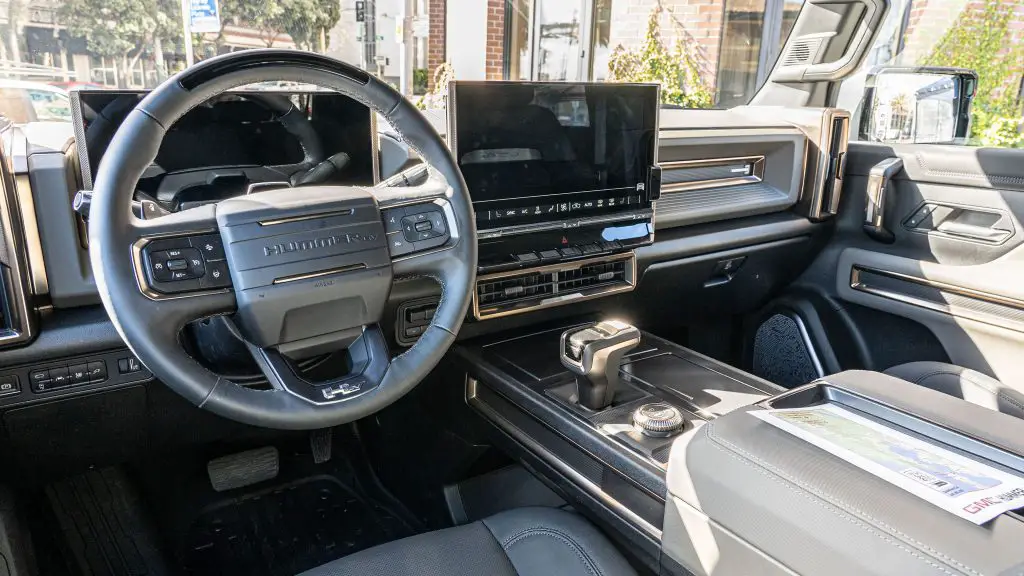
(548, 151)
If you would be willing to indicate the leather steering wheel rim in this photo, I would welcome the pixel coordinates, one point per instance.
(151, 327)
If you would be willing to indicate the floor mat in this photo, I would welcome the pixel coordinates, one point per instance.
(285, 530)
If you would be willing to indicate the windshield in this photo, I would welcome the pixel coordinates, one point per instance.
(711, 53)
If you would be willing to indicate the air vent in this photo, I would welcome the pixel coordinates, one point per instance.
(801, 52)
(515, 288)
(514, 292)
(593, 275)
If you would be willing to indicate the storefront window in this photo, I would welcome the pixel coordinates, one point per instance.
(557, 56)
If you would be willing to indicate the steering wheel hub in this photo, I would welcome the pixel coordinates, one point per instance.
(310, 266)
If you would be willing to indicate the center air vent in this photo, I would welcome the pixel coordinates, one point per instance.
(513, 292)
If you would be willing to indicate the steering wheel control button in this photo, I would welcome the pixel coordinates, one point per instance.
(9, 385)
(658, 419)
(216, 276)
(393, 220)
(210, 245)
(398, 245)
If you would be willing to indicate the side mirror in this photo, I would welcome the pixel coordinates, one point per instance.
(918, 105)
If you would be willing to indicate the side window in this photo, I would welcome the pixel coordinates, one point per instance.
(943, 72)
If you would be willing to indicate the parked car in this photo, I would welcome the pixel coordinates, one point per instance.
(23, 101)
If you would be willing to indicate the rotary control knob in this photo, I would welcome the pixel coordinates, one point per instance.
(658, 419)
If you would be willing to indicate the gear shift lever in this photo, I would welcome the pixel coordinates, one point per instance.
(594, 354)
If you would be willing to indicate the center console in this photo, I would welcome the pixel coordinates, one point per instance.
(598, 406)
(564, 180)
(661, 444)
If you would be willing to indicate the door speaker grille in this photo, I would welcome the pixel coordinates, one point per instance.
(780, 355)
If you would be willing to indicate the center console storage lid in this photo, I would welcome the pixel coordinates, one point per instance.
(746, 497)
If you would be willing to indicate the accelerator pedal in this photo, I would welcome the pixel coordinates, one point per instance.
(244, 468)
(321, 441)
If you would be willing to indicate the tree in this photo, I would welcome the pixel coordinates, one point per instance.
(674, 69)
(306, 21)
(124, 30)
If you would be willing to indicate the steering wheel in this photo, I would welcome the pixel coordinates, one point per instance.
(298, 270)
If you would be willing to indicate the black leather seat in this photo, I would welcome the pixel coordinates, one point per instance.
(520, 542)
(965, 383)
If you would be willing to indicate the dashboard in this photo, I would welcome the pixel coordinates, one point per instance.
(587, 198)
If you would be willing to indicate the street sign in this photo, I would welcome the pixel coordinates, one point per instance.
(204, 16)
(360, 10)
(421, 26)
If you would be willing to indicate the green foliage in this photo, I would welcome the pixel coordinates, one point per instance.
(116, 28)
(989, 129)
(437, 98)
(674, 69)
(983, 42)
(303, 20)
(419, 80)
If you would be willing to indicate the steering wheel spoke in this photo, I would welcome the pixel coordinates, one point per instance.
(368, 359)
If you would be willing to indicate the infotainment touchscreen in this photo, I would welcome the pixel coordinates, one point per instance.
(532, 152)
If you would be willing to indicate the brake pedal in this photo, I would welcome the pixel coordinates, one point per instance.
(243, 469)
(320, 443)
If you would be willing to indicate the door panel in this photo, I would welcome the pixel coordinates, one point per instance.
(956, 268)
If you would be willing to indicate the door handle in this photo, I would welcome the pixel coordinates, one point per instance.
(973, 231)
(874, 210)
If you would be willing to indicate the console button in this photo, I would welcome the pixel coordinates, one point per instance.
(398, 245)
(550, 255)
(9, 385)
(79, 373)
(39, 377)
(728, 267)
(571, 252)
(178, 264)
(414, 331)
(60, 377)
(209, 245)
(129, 365)
(483, 215)
(422, 226)
(589, 249)
(194, 260)
(393, 220)
(216, 275)
(97, 371)
(527, 257)
(610, 245)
